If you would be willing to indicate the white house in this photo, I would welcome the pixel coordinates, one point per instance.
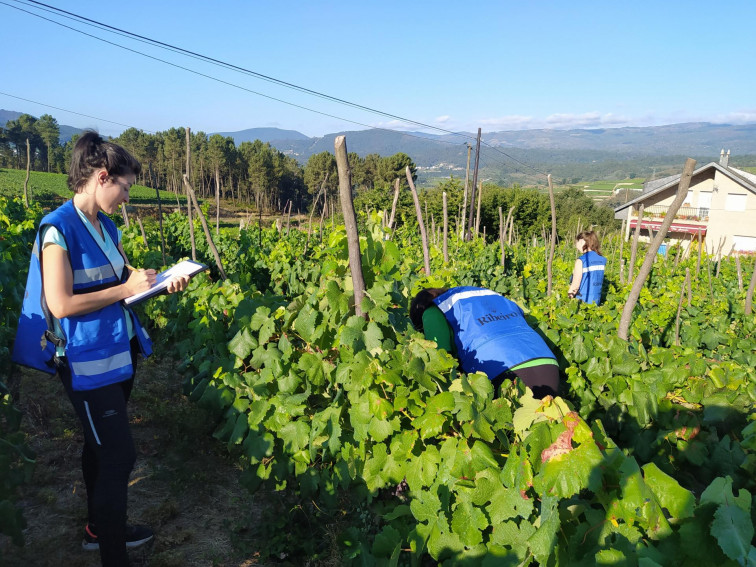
(720, 207)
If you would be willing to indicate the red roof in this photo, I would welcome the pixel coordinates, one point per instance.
(675, 227)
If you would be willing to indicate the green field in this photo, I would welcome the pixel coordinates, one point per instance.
(52, 187)
(600, 190)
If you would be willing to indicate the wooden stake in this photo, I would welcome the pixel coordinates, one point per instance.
(700, 252)
(553, 235)
(690, 287)
(393, 205)
(477, 214)
(679, 307)
(621, 251)
(160, 210)
(475, 182)
(423, 235)
(464, 199)
(708, 270)
(749, 293)
(634, 249)
(28, 169)
(187, 177)
(682, 191)
(446, 230)
(350, 222)
(125, 216)
(501, 235)
(208, 236)
(141, 227)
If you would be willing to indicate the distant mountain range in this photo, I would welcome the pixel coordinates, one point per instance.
(694, 139)
(523, 154)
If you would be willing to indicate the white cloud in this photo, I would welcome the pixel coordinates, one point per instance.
(746, 117)
(443, 119)
(397, 125)
(512, 122)
(586, 120)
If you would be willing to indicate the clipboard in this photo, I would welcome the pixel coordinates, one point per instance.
(183, 268)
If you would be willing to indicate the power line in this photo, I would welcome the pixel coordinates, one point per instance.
(234, 67)
(105, 27)
(228, 83)
(72, 111)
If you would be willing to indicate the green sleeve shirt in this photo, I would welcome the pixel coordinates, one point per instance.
(436, 328)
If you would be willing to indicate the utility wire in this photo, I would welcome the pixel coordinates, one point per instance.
(72, 111)
(105, 27)
(240, 69)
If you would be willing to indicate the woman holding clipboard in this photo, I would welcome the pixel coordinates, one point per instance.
(73, 308)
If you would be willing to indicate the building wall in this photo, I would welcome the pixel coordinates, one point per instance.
(724, 224)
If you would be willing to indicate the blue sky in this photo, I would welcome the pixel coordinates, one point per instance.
(454, 65)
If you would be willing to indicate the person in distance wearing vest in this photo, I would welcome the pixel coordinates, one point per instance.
(587, 277)
(73, 310)
(487, 333)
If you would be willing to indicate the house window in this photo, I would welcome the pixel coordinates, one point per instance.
(744, 243)
(704, 203)
(735, 202)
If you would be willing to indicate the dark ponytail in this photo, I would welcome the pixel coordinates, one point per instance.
(91, 153)
(421, 302)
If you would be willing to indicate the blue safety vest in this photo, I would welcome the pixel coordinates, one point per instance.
(490, 331)
(97, 345)
(594, 265)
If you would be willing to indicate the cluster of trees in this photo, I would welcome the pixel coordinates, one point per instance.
(43, 137)
(531, 208)
(251, 174)
(254, 174)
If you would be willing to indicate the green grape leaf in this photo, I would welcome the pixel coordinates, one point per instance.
(543, 541)
(533, 410)
(373, 338)
(295, 435)
(468, 522)
(507, 503)
(422, 470)
(719, 492)
(386, 542)
(379, 429)
(240, 430)
(429, 424)
(243, 343)
(733, 528)
(668, 492)
(258, 446)
(638, 504)
(426, 506)
(306, 322)
(374, 466)
(568, 473)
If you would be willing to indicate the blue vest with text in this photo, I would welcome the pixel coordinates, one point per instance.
(96, 344)
(490, 331)
(593, 277)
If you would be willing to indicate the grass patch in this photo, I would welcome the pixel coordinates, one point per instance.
(51, 188)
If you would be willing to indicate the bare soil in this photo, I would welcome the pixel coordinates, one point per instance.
(184, 485)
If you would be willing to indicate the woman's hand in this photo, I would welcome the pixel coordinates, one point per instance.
(139, 281)
(178, 283)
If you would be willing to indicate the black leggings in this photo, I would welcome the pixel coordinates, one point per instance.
(542, 379)
(107, 459)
